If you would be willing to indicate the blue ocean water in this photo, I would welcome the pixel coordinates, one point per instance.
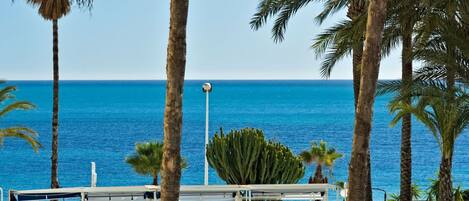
(101, 121)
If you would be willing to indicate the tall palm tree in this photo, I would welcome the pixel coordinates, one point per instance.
(147, 159)
(436, 34)
(405, 14)
(322, 155)
(10, 105)
(369, 76)
(175, 68)
(53, 10)
(445, 112)
(285, 9)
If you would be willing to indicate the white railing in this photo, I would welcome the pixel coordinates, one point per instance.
(187, 193)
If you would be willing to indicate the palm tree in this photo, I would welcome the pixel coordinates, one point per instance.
(21, 132)
(404, 13)
(359, 161)
(147, 159)
(53, 10)
(445, 111)
(322, 155)
(285, 9)
(436, 35)
(175, 68)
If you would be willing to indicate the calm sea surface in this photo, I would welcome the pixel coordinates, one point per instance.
(101, 121)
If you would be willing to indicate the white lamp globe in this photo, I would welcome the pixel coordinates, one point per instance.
(207, 87)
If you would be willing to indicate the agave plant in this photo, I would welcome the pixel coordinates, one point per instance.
(147, 159)
(322, 155)
(25, 133)
(245, 157)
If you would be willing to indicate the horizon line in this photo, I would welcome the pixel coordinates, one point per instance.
(7, 80)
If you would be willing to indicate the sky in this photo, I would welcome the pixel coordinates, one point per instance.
(127, 39)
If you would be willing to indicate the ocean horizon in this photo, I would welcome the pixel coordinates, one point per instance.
(101, 120)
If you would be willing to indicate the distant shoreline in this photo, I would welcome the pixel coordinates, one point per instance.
(325, 80)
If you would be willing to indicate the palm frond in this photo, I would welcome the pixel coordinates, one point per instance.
(6, 93)
(336, 43)
(147, 158)
(18, 105)
(331, 7)
(306, 157)
(265, 10)
(281, 10)
(288, 10)
(24, 133)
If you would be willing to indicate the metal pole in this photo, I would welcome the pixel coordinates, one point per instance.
(382, 190)
(206, 137)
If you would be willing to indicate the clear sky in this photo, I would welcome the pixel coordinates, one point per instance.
(126, 39)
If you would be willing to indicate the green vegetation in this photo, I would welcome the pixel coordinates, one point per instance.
(415, 192)
(7, 100)
(322, 155)
(147, 159)
(433, 192)
(245, 157)
(432, 32)
(445, 111)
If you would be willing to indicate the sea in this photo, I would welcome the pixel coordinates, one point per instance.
(101, 121)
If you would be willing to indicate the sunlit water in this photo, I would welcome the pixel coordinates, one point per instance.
(101, 121)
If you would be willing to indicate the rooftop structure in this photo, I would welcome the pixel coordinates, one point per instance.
(187, 193)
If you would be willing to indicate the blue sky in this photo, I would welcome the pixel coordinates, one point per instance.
(126, 39)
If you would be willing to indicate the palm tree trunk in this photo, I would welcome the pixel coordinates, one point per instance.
(368, 187)
(318, 178)
(55, 108)
(364, 112)
(356, 8)
(445, 188)
(406, 132)
(175, 69)
(155, 180)
(357, 52)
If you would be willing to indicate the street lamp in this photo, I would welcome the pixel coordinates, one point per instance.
(206, 88)
(382, 190)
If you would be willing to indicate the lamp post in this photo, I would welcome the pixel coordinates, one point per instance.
(206, 88)
(382, 190)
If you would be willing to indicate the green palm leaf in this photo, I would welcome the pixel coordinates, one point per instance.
(24, 133)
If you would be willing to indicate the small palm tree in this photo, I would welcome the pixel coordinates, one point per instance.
(147, 159)
(445, 111)
(21, 132)
(322, 156)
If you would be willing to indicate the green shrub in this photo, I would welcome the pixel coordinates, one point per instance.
(465, 195)
(245, 157)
